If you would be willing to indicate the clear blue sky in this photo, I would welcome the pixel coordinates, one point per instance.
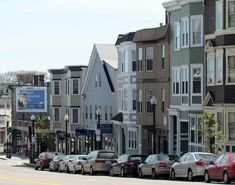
(47, 34)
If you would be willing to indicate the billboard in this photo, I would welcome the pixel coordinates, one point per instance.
(31, 99)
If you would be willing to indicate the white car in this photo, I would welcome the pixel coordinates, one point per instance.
(75, 165)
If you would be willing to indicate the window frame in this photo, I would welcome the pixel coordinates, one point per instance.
(59, 116)
(149, 55)
(177, 36)
(59, 85)
(175, 80)
(227, 57)
(227, 22)
(219, 53)
(192, 18)
(78, 115)
(210, 55)
(78, 86)
(217, 16)
(185, 30)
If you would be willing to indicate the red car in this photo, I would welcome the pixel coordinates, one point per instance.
(223, 169)
(43, 160)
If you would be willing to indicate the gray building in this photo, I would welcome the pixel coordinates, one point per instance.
(99, 94)
(185, 18)
(66, 99)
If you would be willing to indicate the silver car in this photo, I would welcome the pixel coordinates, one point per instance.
(99, 161)
(157, 165)
(191, 165)
(75, 164)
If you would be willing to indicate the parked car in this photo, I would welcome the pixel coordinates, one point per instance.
(75, 165)
(98, 161)
(43, 160)
(63, 164)
(157, 165)
(191, 165)
(126, 165)
(223, 169)
(54, 164)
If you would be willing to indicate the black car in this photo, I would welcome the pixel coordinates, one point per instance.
(127, 165)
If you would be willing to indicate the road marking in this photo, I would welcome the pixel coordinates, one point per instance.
(31, 181)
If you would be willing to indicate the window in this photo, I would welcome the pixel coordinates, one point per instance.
(99, 80)
(125, 62)
(111, 112)
(75, 115)
(177, 36)
(57, 114)
(163, 57)
(140, 100)
(90, 111)
(133, 60)
(197, 80)
(163, 100)
(231, 69)
(196, 30)
(219, 69)
(105, 113)
(132, 139)
(199, 130)
(218, 15)
(125, 99)
(75, 86)
(96, 80)
(185, 32)
(193, 129)
(134, 99)
(210, 69)
(56, 87)
(67, 87)
(149, 95)
(86, 113)
(149, 58)
(140, 58)
(231, 125)
(230, 13)
(176, 80)
(185, 79)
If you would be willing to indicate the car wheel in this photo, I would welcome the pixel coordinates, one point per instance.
(54, 168)
(122, 173)
(172, 174)
(190, 175)
(74, 170)
(154, 174)
(92, 171)
(83, 171)
(206, 177)
(35, 167)
(41, 166)
(226, 178)
(60, 169)
(67, 169)
(140, 175)
(111, 173)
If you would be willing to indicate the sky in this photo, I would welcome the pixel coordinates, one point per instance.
(50, 34)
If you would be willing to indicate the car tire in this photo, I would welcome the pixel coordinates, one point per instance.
(83, 171)
(60, 171)
(190, 175)
(74, 170)
(54, 169)
(122, 173)
(154, 174)
(172, 174)
(41, 167)
(35, 167)
(226, 178)
(92, 171)
(67, 169)
(206, 177)
(140, 175)
(111, 172)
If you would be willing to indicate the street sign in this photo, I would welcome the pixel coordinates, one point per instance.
(106, 128)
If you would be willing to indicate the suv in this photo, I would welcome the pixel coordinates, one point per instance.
(98, 161)
(43, 160)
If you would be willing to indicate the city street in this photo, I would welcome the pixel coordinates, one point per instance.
(15, 172)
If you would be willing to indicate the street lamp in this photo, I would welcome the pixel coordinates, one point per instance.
(66, 119)
(8, 130)
(153, 103)
(33, 118)
(98, 133)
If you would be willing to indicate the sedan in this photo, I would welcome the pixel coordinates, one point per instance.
(54, 164)
(63, 165)
(75, 165)
(157, 165)
(127, 165)
(223, 169)
(191, 165)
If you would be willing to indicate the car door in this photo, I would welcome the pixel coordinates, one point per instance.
(146, 165)
(212, 169)
(179, 166)
(220, 167)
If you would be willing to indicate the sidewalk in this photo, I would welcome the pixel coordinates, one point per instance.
(24, 159)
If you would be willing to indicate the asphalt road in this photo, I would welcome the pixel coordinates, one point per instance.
(15, 172)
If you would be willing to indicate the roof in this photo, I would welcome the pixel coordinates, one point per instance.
(108, 53)
(65, 70)
(118, 117)
(151, 34)
(125, 37)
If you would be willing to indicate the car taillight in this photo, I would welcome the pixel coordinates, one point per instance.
(162, 165)
(99, 161)
(200, 163)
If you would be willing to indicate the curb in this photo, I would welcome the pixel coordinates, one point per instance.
(29, 165)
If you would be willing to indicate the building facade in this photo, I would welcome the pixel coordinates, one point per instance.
(152, 81)
(185, 19)
(220, 66)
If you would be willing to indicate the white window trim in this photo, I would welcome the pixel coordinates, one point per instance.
(191, 73)
(184, 19)
(191, 30)
(176, 24)
(227, 1)
(132, 130)
(229, 52)
(54, 87)
(78, 86)
(176, 69)
(181, 81)
(210, 55)
(59, 114)
(219, 53)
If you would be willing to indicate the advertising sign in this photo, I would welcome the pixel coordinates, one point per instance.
(31, 99)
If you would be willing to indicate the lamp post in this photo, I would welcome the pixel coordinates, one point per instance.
(33, 118)
(7, 156)
(153, 103)
(98, 133)
(66, 119)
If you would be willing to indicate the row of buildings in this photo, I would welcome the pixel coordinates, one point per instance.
(148, 92)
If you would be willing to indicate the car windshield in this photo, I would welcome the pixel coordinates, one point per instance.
(206, 157)
(107, 155)
(137, 158)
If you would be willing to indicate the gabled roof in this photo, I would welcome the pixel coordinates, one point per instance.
(125, 37)
(118, 117)
(151, 34)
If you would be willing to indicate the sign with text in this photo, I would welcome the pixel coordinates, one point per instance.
(31, 99)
